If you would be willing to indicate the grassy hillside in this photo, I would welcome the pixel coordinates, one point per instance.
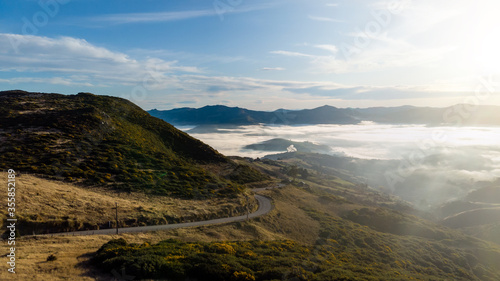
(106, 141)
(478, 214)
(309, 235)
(326, 223)
(321, 231)
(47, 206)
(338, 249)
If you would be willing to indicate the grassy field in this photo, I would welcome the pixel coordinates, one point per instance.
(46, 204)
(338, 229)
(326, 246)
(299, 215)
(73, 253)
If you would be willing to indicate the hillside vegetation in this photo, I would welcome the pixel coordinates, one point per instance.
(322, 231)
(326, 222)
(107, 141)
(341, 250)
(48, 206)
(478, 214)
(313, 233)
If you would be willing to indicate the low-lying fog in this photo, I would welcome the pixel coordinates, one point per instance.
(434, 164)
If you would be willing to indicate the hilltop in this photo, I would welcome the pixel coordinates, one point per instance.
(110, 142)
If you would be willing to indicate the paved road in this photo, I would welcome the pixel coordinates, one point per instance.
(265, 207)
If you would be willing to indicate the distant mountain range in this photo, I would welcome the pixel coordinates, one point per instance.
(460, 114)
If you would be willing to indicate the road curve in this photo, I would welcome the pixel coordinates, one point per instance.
(265, 206)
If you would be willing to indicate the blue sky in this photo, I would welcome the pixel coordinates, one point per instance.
(254, 54)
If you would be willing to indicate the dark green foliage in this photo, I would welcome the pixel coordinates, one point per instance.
(344, 251)
(254, 260)
(107, 141)
(295, 171)
(52, 257)
(245, 174)
(447, 256)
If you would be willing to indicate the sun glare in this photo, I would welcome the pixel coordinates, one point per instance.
(480, 36)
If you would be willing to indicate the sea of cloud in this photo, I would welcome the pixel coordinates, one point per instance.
(450, 161)
(366, 140)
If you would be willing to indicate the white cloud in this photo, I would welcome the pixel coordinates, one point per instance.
(326, 19)
(53, 81)
(75, 62)
(174, 15)
(153, 17)
(331, 48)
(272, 68)
(68, 56)
(380, 53)
(292, 54)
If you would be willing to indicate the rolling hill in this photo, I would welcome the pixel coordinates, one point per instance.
(326, 224)
(108, 141)
(325, 230)
(278, 144)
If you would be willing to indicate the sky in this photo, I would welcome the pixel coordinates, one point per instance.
(257, 54)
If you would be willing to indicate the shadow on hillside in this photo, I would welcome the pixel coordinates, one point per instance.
(93, 272)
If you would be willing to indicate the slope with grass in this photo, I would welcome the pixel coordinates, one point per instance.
(331, 248)
(478, 214)
(309, 235)
(317, 234)
(326, 224)
(49, 206)
(107, 141)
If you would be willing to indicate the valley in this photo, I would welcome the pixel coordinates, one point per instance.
(182, 212)
(261, 140)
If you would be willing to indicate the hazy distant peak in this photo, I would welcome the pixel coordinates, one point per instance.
(327, 114)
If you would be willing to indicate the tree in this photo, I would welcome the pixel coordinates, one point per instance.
(304, 173)
(293, 172)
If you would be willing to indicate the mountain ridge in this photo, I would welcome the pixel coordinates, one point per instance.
(460, 114)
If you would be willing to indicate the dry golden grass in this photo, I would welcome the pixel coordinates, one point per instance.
(73, 252)
(43, 200)
(288, 220)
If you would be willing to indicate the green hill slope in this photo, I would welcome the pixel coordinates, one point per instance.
(355, 246)
(106, 141)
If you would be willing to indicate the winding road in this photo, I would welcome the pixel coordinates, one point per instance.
(265, 206)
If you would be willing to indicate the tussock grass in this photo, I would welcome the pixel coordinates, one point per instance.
(74, 252)
(69, 207)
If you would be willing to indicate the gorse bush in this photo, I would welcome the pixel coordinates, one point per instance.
(345, 251)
